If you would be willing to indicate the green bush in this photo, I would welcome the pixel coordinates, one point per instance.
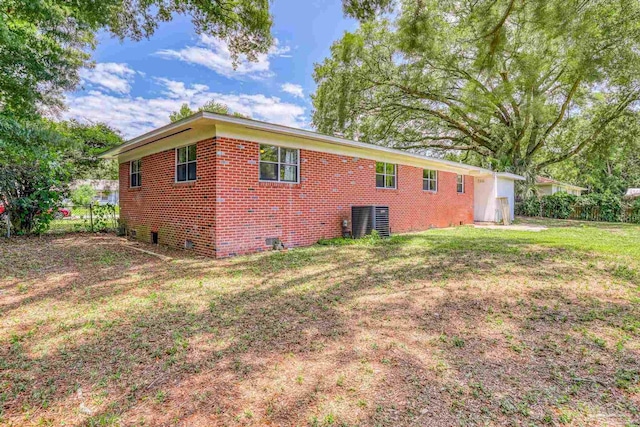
(528, 207)
(83, 195)
(558, 205)
(633, 211)
(104, 217)
(607, 207)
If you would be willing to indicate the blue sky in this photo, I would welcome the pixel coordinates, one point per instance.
(135, 85)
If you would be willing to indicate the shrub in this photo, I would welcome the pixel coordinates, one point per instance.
(633, 211)
(529, 206)
(594, 206)
(104, 217)
(558, 205)
(610, 207)
(31, 195)
(83, 195)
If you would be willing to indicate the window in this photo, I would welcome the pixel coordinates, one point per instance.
(278, 163)
(135, 175)
(460, 183)
(186, 163)
(429, 180)
(385, 175)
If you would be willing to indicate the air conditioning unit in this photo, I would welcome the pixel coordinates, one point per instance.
(367, 218)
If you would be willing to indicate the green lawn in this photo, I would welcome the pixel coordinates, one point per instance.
(448, 327)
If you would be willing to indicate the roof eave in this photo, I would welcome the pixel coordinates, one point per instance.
(285, 130)
(113, 153)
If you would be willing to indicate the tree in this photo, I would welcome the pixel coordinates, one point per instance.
(520, 85)
(211, 107)
(87, 142)
(43, 44)
(612, 164)
(32, 175)
(83, 195)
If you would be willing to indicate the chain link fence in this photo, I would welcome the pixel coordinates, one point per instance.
(93, 217)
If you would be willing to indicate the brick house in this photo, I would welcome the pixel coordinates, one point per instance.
(224, 186)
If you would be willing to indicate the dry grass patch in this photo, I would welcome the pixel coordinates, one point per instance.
(447, 327)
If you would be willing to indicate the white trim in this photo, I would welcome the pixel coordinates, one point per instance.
(385, 175)
(303, 139)
(175, 170)
(139, 173)
(430, 180)
(278, 181)
(509, 175)
(463, 186)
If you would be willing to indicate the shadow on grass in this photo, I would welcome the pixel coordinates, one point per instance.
(424, 328)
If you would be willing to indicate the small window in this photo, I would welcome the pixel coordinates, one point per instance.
(460, 183)
(279, 164)
(135, 174)
(385, 175)
(429, 180)
(186, 163)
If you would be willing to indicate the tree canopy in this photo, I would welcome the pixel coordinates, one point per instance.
(521, 85)
(43, 44)
(32, 174)
(211, 107)
(612, 164)
(85, 143)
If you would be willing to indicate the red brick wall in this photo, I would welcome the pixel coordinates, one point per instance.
(229, 212)
(177, 211)
(249, 211)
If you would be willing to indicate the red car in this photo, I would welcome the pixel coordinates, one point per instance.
(62, 213)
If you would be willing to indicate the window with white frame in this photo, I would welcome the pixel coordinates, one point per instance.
(460, 183)
(279, 164)
(385, 175)
(135, 174)
(186, 163)
(430, 180)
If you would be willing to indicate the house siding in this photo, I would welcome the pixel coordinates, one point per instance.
(228, 211)
(176, 211)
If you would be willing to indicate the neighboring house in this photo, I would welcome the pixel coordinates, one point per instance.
(107, 190)
(548, 186)
(225, 185)
(632, 193)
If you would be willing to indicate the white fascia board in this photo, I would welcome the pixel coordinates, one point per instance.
(363, 151)
(314, 136)
(189, 137)
(152, 136)
(252, 130)
(509, 175)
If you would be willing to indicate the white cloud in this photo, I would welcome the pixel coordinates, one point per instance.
(293, 89)
(136, 115)
(116, 77)
(214, 54)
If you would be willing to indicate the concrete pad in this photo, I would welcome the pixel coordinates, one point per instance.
(515, 227)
